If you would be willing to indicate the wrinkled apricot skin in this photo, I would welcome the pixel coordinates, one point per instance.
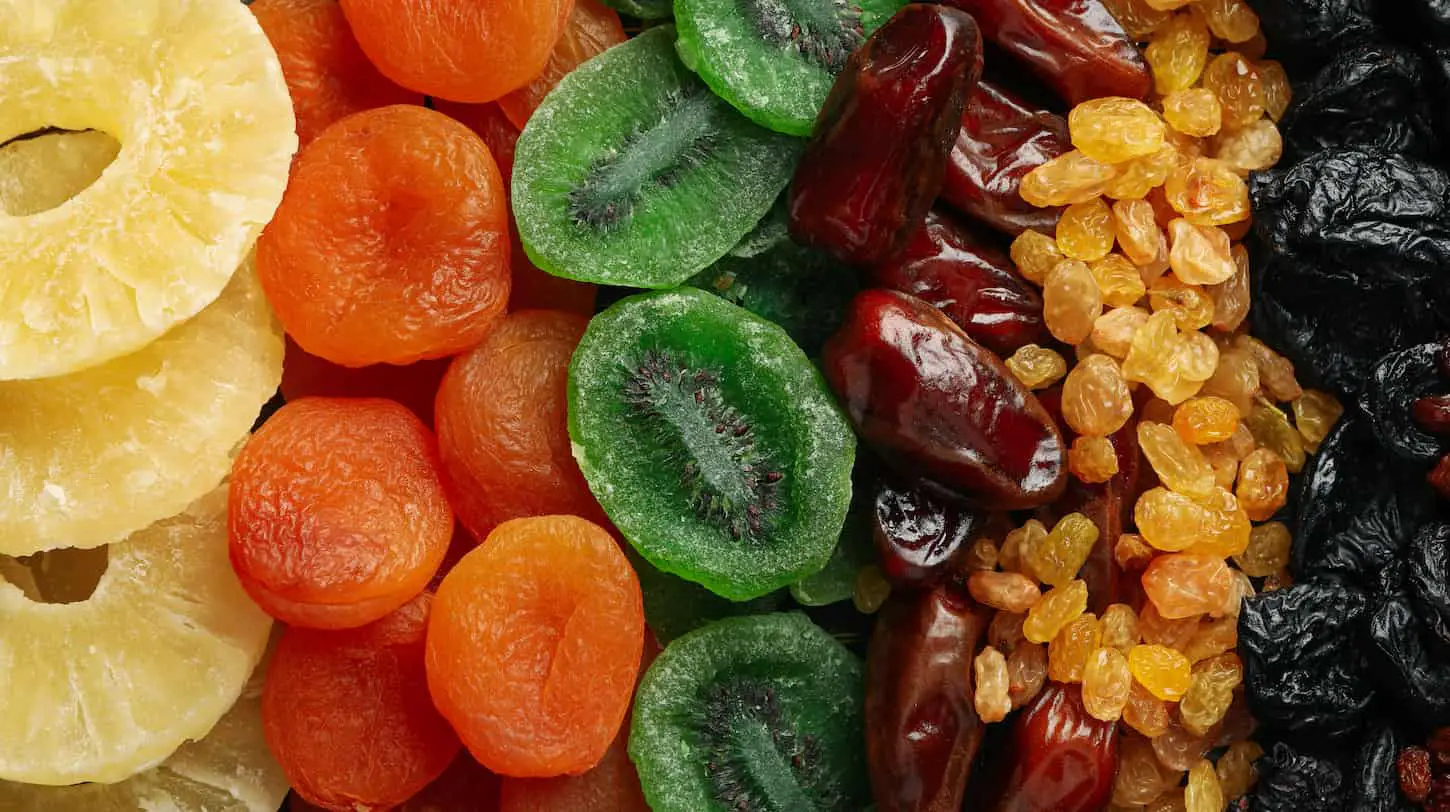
(880, 148)
(391, 244)
(460, 50)
(337, 514)
(534, 644)
(593, 29)
(502, 425)
(348, 713)
(937, 404)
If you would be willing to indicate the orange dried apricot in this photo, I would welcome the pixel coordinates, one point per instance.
(502, 421)
(593, 29)
(391, 244)
(415, 385)
(534, 644)
(348, 714)
(337, 513)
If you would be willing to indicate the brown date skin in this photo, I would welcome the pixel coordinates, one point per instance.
(879, 152)
(938, 405)
(1002, 138)
(964, 273)
(1059, 759)
(1074, 46)
(922, 729)
(919, 533)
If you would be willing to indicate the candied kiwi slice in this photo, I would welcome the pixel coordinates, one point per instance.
(633, 173)
(643, 9)
(752, 713)
(711, 441)
(674, 606)
(775, 60)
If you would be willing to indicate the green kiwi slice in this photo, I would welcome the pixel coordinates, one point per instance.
(751, 714)
(633, 173)
(775, 60)
(836, 581)
(711, 441)
(643, 9)
(674, 606)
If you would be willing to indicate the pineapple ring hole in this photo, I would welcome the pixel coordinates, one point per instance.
(28, 174)
(57, 576)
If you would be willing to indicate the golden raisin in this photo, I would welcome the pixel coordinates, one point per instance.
(1026, 672)
(1277, 90)
(1085, 231)
(1071, 302)
(1059, 607)
(1161, 631)
(1271, 430)
(982, 555)
(1268, 550)
(1168, 5)
(1007, 591)
(1035, 254)
(1120, 626)
(1206, 420)
(1057, 558)
(872, 590)
(1118, 279)
(1145, 712)
(1276, 373)
(1203, 793)
(1068, 652)
(1012, 556)
(1092, 459)
(1173, 522)
(1178, 749)
(1200, 255)
(1315, 414)
(1137, 17)
(1037, 367)
(992, 699)
(1263, 484)
(1004, 633)
(1235, 80)
(1152, 356)
(1190, 306)
(1236, 380)
(1197, 359)
(1231, 298)
(1178, 52)
(1207, 192)
(1138, 177)
(1114, 129)
(1095, 398)
(1226, 527)
(1179, 465)
(1243, 589)
(1165, 672)
(1186, 584)
(1138, 232)
(1235, 769)
(1140, 778)
(1225, 464)
(1193, 111)
(1214, 637)
(1256, 146)
(1106, 682)
(1132, 553)
(1230, 20)
(1067, 179)
(1114, 330)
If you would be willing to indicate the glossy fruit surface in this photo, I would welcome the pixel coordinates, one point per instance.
(919, 533)
(937, 403)
(1061, 759)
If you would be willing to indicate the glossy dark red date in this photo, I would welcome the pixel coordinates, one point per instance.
(1074, 46)
(922, 730)
(1110, 506)
(1059, 758)
(879, 152)
(961, 271)
(937, 404)
(1002, 138)
(1433, 414)
(919, 533)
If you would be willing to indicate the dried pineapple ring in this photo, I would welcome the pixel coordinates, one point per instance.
(231, 770)
(101, 689)
(193, 91)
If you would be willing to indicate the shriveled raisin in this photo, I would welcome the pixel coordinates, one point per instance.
(1145, 712)
(1119, 280)
(1035, 254)
(1194, 111)
(1114, 330)
(1263, 484)
(1276, 373)
(1203, 793)
(1230, 20)
(1138, 232)
(1179, 465)
(992, 699)
(1235, 769)
(1165, 672)
(1137, 17)
(1186, 584)
(1236, 380)
(1315, 414)
(1214, 637)
(1235, 80)
(1132, 553)
(1057, 558)
(1120, 627)
(1178, 749)
(1206, 702)
(1004, 633)
(1268, 550)
(1067, 654)
(1140, 779)
(1205, 420)
(981, 556)
(1231, 298)
(1201, 255)
(1071, 302)
(1138, 177)
(1007, 591)
(1037, 367)
(1059, 607)
(1277, 90)
(1114, 129)
(1161, 631)
(1092, 459)
(1026, 672)
(1272, 430)
(1173, 522)
(1226, 527)
(1207, 192)
(1096, 400)
(1011, 556)
(1067, 179)
(1106, 682)
(1178, 52)
(1254, 147)
(1085, 231)
(1190, 306)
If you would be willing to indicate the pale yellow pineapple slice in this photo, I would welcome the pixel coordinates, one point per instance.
(231, 770)
(193, 92)
(104, 688)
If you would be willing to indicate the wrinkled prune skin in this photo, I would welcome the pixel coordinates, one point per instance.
(1076, 47)
(879, 152)
(1343, 226)
(1291, 780)
(919, 532)
(1428, 577)
(935, 404)
(1397, 381)
(1059, 758)
(1399, 658)
(964, 273)
(1356, 508)
(922, 729)
(1003, 137)
(1371, 96)
(1303, 673)
(1374, 775)
(1308, 33)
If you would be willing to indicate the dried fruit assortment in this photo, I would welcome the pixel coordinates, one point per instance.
(581, 307)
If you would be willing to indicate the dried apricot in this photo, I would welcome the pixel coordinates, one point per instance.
(337, 513)
(391, 244)
(593, 29)
(502, 424)
(348, 715)
(534, 644)
(328, 76)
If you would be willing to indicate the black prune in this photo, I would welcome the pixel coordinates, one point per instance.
(1302, 673)
(1369, 95)
(1428, 578)
(1399, 659)
(1291, 780)
(1375, 775)
(1397, 381)
(1308, 33)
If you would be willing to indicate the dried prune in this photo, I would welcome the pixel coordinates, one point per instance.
(1399, 658)
(1060, 758)
(1076, 47)
(919, 533)
(937, 404)
(1428, 576)
(922, 729)
(1370, 95)
(1308, 33)
(1292, 780)
(1302, 672)
(880, 148)
(1002, 138)
(1375, 781)
(1397, 381)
